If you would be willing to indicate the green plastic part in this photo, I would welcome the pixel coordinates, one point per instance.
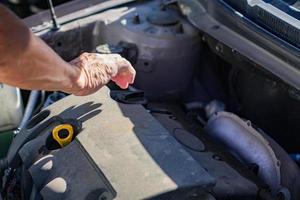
(5, 141)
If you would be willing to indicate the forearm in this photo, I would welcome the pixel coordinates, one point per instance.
(27, 62)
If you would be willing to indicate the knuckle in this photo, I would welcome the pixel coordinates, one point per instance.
(84, 54)
(98, 55)
(116, 55)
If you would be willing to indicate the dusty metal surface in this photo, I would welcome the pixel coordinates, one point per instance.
(230, 182)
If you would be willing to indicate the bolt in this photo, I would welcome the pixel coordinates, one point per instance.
(219, 48)
(216, 157)
(103, 196)
(136, 19)
(173, 117)
(179, 29)
(215, 27)
(283, 194)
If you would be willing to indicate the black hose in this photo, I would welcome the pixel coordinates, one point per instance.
(41, 104)
(247, 144)
(29, 108)
(3, 165)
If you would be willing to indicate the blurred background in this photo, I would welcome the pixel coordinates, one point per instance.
(25, 8)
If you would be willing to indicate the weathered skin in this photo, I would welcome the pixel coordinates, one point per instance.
(28, 63)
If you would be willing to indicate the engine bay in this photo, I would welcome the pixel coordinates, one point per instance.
(198, 123)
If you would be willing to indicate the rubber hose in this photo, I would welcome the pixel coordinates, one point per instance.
(34, 94)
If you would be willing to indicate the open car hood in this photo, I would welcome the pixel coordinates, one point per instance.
(235, 33)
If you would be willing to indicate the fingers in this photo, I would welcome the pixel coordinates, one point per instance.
(123, 85)
(132, 77)
(126, 73)
(131, 72)
(124, 77)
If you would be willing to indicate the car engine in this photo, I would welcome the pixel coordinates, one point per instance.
(203, 120)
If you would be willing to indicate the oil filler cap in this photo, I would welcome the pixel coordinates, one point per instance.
(63, 134)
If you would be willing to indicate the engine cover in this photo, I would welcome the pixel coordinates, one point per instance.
(122, 152)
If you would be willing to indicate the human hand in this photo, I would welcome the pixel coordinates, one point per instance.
(96, 70)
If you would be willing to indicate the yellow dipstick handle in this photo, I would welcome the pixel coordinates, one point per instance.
(63, 141)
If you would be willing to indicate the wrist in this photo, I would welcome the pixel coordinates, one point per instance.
(73, 79)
